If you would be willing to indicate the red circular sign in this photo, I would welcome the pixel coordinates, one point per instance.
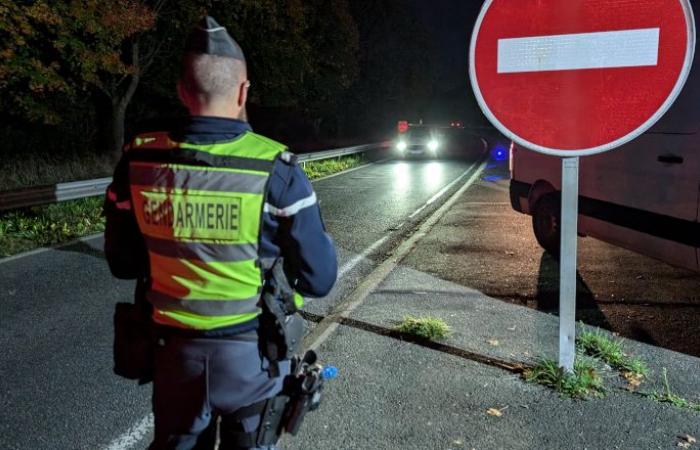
(574, 78)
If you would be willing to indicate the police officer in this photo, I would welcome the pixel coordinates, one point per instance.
(199, 215)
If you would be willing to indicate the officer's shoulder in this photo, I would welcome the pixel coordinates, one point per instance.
(285, 155)
(151, 139)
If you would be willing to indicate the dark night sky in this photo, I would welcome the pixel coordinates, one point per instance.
(450, 22)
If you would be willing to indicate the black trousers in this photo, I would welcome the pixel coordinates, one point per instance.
(198, 380)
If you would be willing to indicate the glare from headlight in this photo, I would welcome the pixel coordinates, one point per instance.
(401, 146)
(433, 145)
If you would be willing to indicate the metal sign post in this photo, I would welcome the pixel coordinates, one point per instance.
(567, 263)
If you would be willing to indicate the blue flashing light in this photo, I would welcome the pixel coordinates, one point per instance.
(499, 153)
(329, 372)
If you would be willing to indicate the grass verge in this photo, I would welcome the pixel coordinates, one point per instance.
(667, 396)
(320, 169)
(430, 328)
(593, 349)
(43, 226)
(583, 383)
(610, 351)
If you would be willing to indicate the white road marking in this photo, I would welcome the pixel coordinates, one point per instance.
(38, 251)
(133, 436)
(379, 274)
(139, 431)
(344, 172)
(439, 194)
(600, 50)
(348, 266)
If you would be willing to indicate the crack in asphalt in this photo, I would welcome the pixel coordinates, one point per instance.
(509, 366)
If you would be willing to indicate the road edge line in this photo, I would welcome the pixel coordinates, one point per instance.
(133, 435)
(329, 324)
(352, 169)
(40, 250)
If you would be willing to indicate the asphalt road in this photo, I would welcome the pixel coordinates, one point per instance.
(619, 290)
(394, 392)
(57, 390)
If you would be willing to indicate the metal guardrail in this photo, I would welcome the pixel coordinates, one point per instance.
(35, 196)
(339, 152)
(22, 198)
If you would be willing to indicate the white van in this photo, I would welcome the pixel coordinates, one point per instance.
(644, 196)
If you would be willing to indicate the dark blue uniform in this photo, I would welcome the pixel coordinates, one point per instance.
(220, 371)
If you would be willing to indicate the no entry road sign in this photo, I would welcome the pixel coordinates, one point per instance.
(578, 77)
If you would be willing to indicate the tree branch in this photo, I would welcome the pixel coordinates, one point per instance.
(135, 77)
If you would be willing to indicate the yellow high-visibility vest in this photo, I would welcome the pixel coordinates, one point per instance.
(199, 208)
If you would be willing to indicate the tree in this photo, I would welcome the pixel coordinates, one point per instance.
(68, 49)
(334, 65)
(271, 34)
(302, 55)
(60, 54)
(396, 64)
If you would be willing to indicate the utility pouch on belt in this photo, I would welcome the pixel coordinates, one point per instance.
(284, 413)
(281, 328)
(133, 342)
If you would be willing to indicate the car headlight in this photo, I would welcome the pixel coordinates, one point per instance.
(401, 146)
(433, 145)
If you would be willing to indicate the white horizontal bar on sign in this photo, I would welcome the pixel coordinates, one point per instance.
(600, 50)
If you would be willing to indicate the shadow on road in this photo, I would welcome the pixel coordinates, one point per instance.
(547, 296)
(83, 248)
(660, 323)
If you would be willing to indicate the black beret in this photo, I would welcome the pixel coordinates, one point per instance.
(210, 38)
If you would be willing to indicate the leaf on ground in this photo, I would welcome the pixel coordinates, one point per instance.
(494, 342)
(688, 438)
(512, 328)
(496, 412)
(634, 380)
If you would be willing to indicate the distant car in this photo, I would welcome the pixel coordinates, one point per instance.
(419, 141)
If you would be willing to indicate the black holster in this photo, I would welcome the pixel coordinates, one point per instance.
(134, 341)
(284, 413)
(281, 328)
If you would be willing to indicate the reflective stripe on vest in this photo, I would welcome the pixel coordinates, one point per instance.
(200, 210)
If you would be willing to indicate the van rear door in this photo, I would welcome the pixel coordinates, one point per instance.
(648, 189)
(644, 196)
